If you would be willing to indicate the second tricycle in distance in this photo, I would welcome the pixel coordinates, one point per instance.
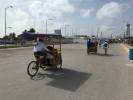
(92, 46)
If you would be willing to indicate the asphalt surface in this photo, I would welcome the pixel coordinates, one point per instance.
(83, 77)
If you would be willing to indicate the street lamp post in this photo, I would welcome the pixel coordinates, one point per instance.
(72, 32)
(111, 36)
(46, 26)
(101, 35)
(5, 21)
(98, 30)
(5, 26)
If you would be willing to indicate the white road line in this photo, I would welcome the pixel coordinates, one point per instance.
(129, 65)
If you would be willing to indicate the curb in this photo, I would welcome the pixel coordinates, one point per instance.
(126, 47)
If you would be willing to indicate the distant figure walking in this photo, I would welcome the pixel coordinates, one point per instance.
(105, 46)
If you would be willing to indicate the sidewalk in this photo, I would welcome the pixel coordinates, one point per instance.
(126, 47)
(129, 71)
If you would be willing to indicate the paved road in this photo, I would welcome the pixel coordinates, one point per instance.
(83, 77)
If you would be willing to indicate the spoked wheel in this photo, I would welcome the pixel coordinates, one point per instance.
(59, 66)
(32, 69)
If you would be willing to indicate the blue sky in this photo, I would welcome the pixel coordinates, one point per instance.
(81, 16)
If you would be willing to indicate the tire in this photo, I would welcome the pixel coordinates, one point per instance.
(95, 52)
(105, 51)
(32, 69)
(59, 66)
(88, 51)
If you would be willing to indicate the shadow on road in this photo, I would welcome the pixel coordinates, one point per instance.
(66, 79)
(108, 55)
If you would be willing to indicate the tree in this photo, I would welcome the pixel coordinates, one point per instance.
(6, 38)
(32, 30)
(12, 36)
(25, 30)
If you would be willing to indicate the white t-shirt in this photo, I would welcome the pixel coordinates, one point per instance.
(39, 47)
(105, 45)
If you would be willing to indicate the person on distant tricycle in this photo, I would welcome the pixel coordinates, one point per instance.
(92, 46)
(89, 44)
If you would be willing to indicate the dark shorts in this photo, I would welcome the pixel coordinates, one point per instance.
(38, 54)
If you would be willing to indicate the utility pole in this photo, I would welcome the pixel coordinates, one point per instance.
(101, 34)
(46, 26)
(5, 27)
(98, 29)
(6, 22)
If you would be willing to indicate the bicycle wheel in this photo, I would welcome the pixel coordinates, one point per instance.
(60, 64)
(32, 68)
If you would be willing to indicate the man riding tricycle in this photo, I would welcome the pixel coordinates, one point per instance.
(46, 56)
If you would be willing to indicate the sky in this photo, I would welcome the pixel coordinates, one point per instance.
(87, 17)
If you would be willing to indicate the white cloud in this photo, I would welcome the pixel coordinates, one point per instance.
(52, 8)
(18, 15)
(110, 10)
(18, 20)
(26, 12)
(86, 12)
(42, 10)
(104, 28)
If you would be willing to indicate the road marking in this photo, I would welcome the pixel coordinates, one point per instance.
(129, 65)
(125, 47)
(8, 54)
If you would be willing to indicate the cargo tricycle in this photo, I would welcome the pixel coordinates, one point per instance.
(92, 47)
(54, 45)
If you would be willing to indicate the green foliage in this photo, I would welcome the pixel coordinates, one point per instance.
(11, 36)
(32, 30)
